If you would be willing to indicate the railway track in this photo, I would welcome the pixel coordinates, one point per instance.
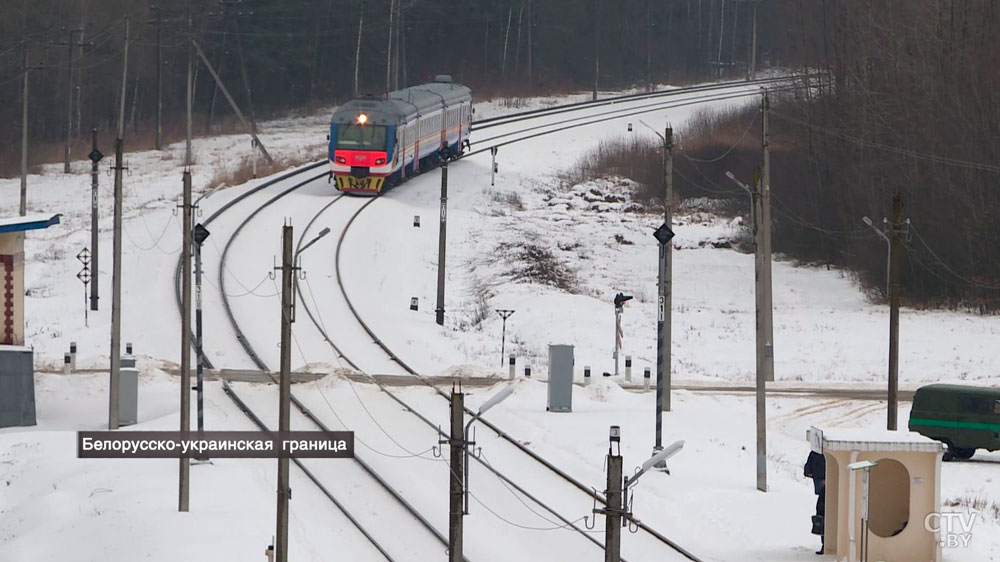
(306, 413)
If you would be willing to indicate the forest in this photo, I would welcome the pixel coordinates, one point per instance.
(287, 55)
(903, 96)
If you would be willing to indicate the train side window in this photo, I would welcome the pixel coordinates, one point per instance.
(996, 407)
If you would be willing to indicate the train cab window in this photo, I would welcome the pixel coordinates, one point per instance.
(358, 137)
(996, 407)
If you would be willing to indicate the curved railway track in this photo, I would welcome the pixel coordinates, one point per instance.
(306, 413)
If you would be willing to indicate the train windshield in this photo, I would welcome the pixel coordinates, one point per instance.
(358, 137)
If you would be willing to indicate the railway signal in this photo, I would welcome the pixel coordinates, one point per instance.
(504, 314)
(620, 300)
(84, 277)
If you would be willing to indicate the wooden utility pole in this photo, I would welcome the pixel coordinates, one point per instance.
(765, 329)
(116, 272)
(442, 236)
(457, 448)
(284, 392)
(69, 94)
(24, 135)
(895, 274)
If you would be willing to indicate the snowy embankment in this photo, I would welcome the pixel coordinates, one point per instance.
(556, 254)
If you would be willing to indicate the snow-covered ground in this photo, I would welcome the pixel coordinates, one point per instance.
(582, 237)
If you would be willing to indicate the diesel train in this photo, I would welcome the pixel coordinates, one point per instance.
(376, 143)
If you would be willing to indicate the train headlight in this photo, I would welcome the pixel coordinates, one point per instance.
(379, 161)
(362, 119)
(341, 160)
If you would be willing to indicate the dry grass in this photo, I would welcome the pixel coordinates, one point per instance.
(243, 171)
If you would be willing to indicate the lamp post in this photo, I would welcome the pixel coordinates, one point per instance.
(505, 314)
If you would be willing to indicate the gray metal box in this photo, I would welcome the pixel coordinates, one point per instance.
(127, 362)
(128, 396)
(560, 378)
(17, 386)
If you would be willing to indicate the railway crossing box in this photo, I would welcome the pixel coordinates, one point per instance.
(881, 506)
(17, 372)
(560, 378)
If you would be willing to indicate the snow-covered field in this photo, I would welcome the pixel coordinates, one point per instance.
(826, 333)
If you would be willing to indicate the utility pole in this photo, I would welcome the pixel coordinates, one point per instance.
(116, 272)
(760, 264)
(69, 95)
(765, 326)
(457, 446)
(529, 42)
(597, 45)
(184, 467)
(649, 57)
(357, 51)
(753, 45)
(667, 291)
(896, 263)
(284, 393)
(159, 84)
(442, 233)
(388, 54)
(24, 134)
(95, 157)
(613, 512)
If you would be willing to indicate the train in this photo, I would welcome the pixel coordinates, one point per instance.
(379, 142)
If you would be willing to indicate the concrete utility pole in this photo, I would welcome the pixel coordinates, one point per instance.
(896, 266)
(457, 447)
(95, 157)
(250, 128)
(753, 45)
(765, 324)
(159, 85)
(184, 467)
(442, 234)
(529, 41)
(285, 391)
(24, 134)
(613, 512)
(666, 291)
(760, 265)
(116, 272)
(69, 94)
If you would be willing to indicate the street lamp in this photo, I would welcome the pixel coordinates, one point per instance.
(888, 245)
(658, 460)
(493, 401)
(505, 314)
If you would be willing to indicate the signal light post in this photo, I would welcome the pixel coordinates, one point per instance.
(663, 235)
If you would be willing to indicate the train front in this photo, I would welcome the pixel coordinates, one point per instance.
(361, 140)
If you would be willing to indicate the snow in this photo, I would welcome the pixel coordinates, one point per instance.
(878, 439)
(827, 335)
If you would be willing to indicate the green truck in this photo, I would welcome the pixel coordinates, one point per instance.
(964, 418)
